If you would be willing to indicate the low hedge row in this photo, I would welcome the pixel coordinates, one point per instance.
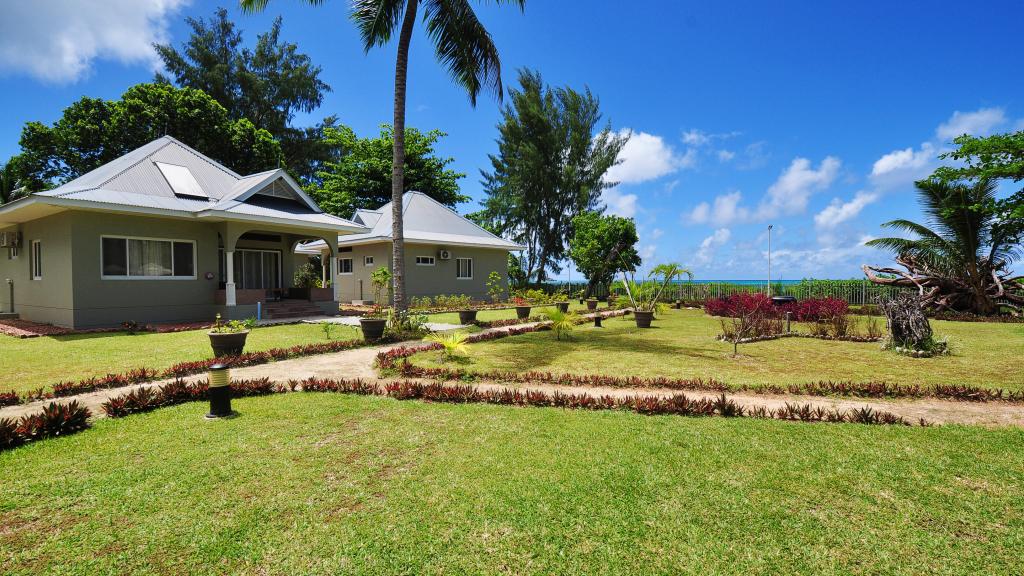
(54, 420)
(679, 404)
(396, 360)
(846, 338)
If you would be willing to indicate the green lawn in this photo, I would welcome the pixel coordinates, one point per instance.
(323, 483)
(682, 344)
(33, 362)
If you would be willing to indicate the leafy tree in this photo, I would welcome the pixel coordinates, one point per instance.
(11, 185)
(1000, 156)
(267, 84)
(92, 132)
(601, 246)
(549, 168)
(461, 43)
(361, 175)
(960, 260)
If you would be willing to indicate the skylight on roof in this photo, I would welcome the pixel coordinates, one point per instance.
(181, 180)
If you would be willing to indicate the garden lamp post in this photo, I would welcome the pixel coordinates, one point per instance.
(219, 391)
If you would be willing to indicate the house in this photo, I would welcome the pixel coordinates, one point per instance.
(444, 252)
(161, 234)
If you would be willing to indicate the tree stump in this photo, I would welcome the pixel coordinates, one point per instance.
(908, 326)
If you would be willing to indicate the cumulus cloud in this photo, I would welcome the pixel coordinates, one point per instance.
(726, 155)
(814, 261)
(904, 161)
(725, 210)
(839, 212)
(980, 122)
(618, 203)
(790, 193)
(709, 245)
(58, 40)
(647, 157)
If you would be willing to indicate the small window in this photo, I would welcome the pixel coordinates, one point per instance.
(367, 260)
(424, 260)
(36, 264)
(464, 268)
(344, 265)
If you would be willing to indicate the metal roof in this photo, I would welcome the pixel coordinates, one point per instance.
(426, 221)
(135, 183)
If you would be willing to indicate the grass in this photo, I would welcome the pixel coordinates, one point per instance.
(31, 363)
(323, 483)
(682, 344)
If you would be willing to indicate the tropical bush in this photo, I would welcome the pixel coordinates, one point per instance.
(645, 296)
(306, 276)
(561, 322)
(452, 343)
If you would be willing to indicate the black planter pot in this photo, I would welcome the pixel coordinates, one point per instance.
(467, 316)
(643, 319)
(228, 343)
(678, 305)
(522, 312)
(373, 328)
(563, 306)
(592, 304)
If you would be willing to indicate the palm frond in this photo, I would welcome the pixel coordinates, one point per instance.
(464, 46)
(376, 20)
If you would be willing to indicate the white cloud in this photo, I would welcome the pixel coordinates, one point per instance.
(706, 252)
(695, 137)
(838, 211)
(657, 233)
(647, 251)
(618, 203)
(725, 210)
(977, 123)
(906, 161)
(57, 40)
(813, 262)
(647, 157)
(790, 193)
(726, 155)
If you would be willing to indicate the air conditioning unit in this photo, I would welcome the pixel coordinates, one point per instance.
(444, 255)
(10, 239)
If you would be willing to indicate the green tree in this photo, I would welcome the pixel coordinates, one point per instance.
(601, 246)
(960, 260)
(461, 43)
(267, 84)
(92, 132)
(996, 157)
(549, 168)
(11, 185)
(361, 175)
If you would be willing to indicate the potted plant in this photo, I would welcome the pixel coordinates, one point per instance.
(645, 296)
(467, 316)
(591, 303)
(522, 307)
(228, 338)
(374, 322)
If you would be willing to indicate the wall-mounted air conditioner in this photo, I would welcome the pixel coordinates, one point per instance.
(444, 255)
(10, 239)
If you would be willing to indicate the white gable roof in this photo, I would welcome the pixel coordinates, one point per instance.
(425, 220)
(199, 187)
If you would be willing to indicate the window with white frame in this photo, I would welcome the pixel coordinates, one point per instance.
(344, 265)
(36, 260)
(367, 260)
(464, 268)
(424, 260)
(131, 258)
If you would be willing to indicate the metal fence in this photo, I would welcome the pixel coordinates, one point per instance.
(856, 293)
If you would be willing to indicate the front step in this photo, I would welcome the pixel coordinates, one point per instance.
(291, 309)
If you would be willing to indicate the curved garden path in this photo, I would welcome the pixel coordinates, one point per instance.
(358, 363)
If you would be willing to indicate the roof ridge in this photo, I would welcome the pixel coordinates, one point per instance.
(452, 210)
(136, 163)
(203, 157)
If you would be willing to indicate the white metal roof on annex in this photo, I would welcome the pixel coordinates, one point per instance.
(425, 220)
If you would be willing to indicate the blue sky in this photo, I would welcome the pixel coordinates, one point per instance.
(812, 116)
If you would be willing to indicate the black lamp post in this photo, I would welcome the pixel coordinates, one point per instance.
(220, 391)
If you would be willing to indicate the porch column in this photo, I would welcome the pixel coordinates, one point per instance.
(324, 267)
(334, 278)
(229, 286)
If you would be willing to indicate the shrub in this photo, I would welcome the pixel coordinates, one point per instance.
(306, 276)
(452, 343)
(10, 437)
(9, 398)
(561, 322)
(55, 420)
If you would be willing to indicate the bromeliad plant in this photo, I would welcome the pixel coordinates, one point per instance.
(452, 344)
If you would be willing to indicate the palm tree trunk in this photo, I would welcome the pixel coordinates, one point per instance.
(398, 159)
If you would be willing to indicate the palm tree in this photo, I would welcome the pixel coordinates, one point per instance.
(958, 261)
(9, 181)
(462, 44)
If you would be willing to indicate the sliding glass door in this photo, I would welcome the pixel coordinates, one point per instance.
(255, 269)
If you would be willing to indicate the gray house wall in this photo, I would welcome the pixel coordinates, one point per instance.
(425, 280)
(49, 300)
(73, 292)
